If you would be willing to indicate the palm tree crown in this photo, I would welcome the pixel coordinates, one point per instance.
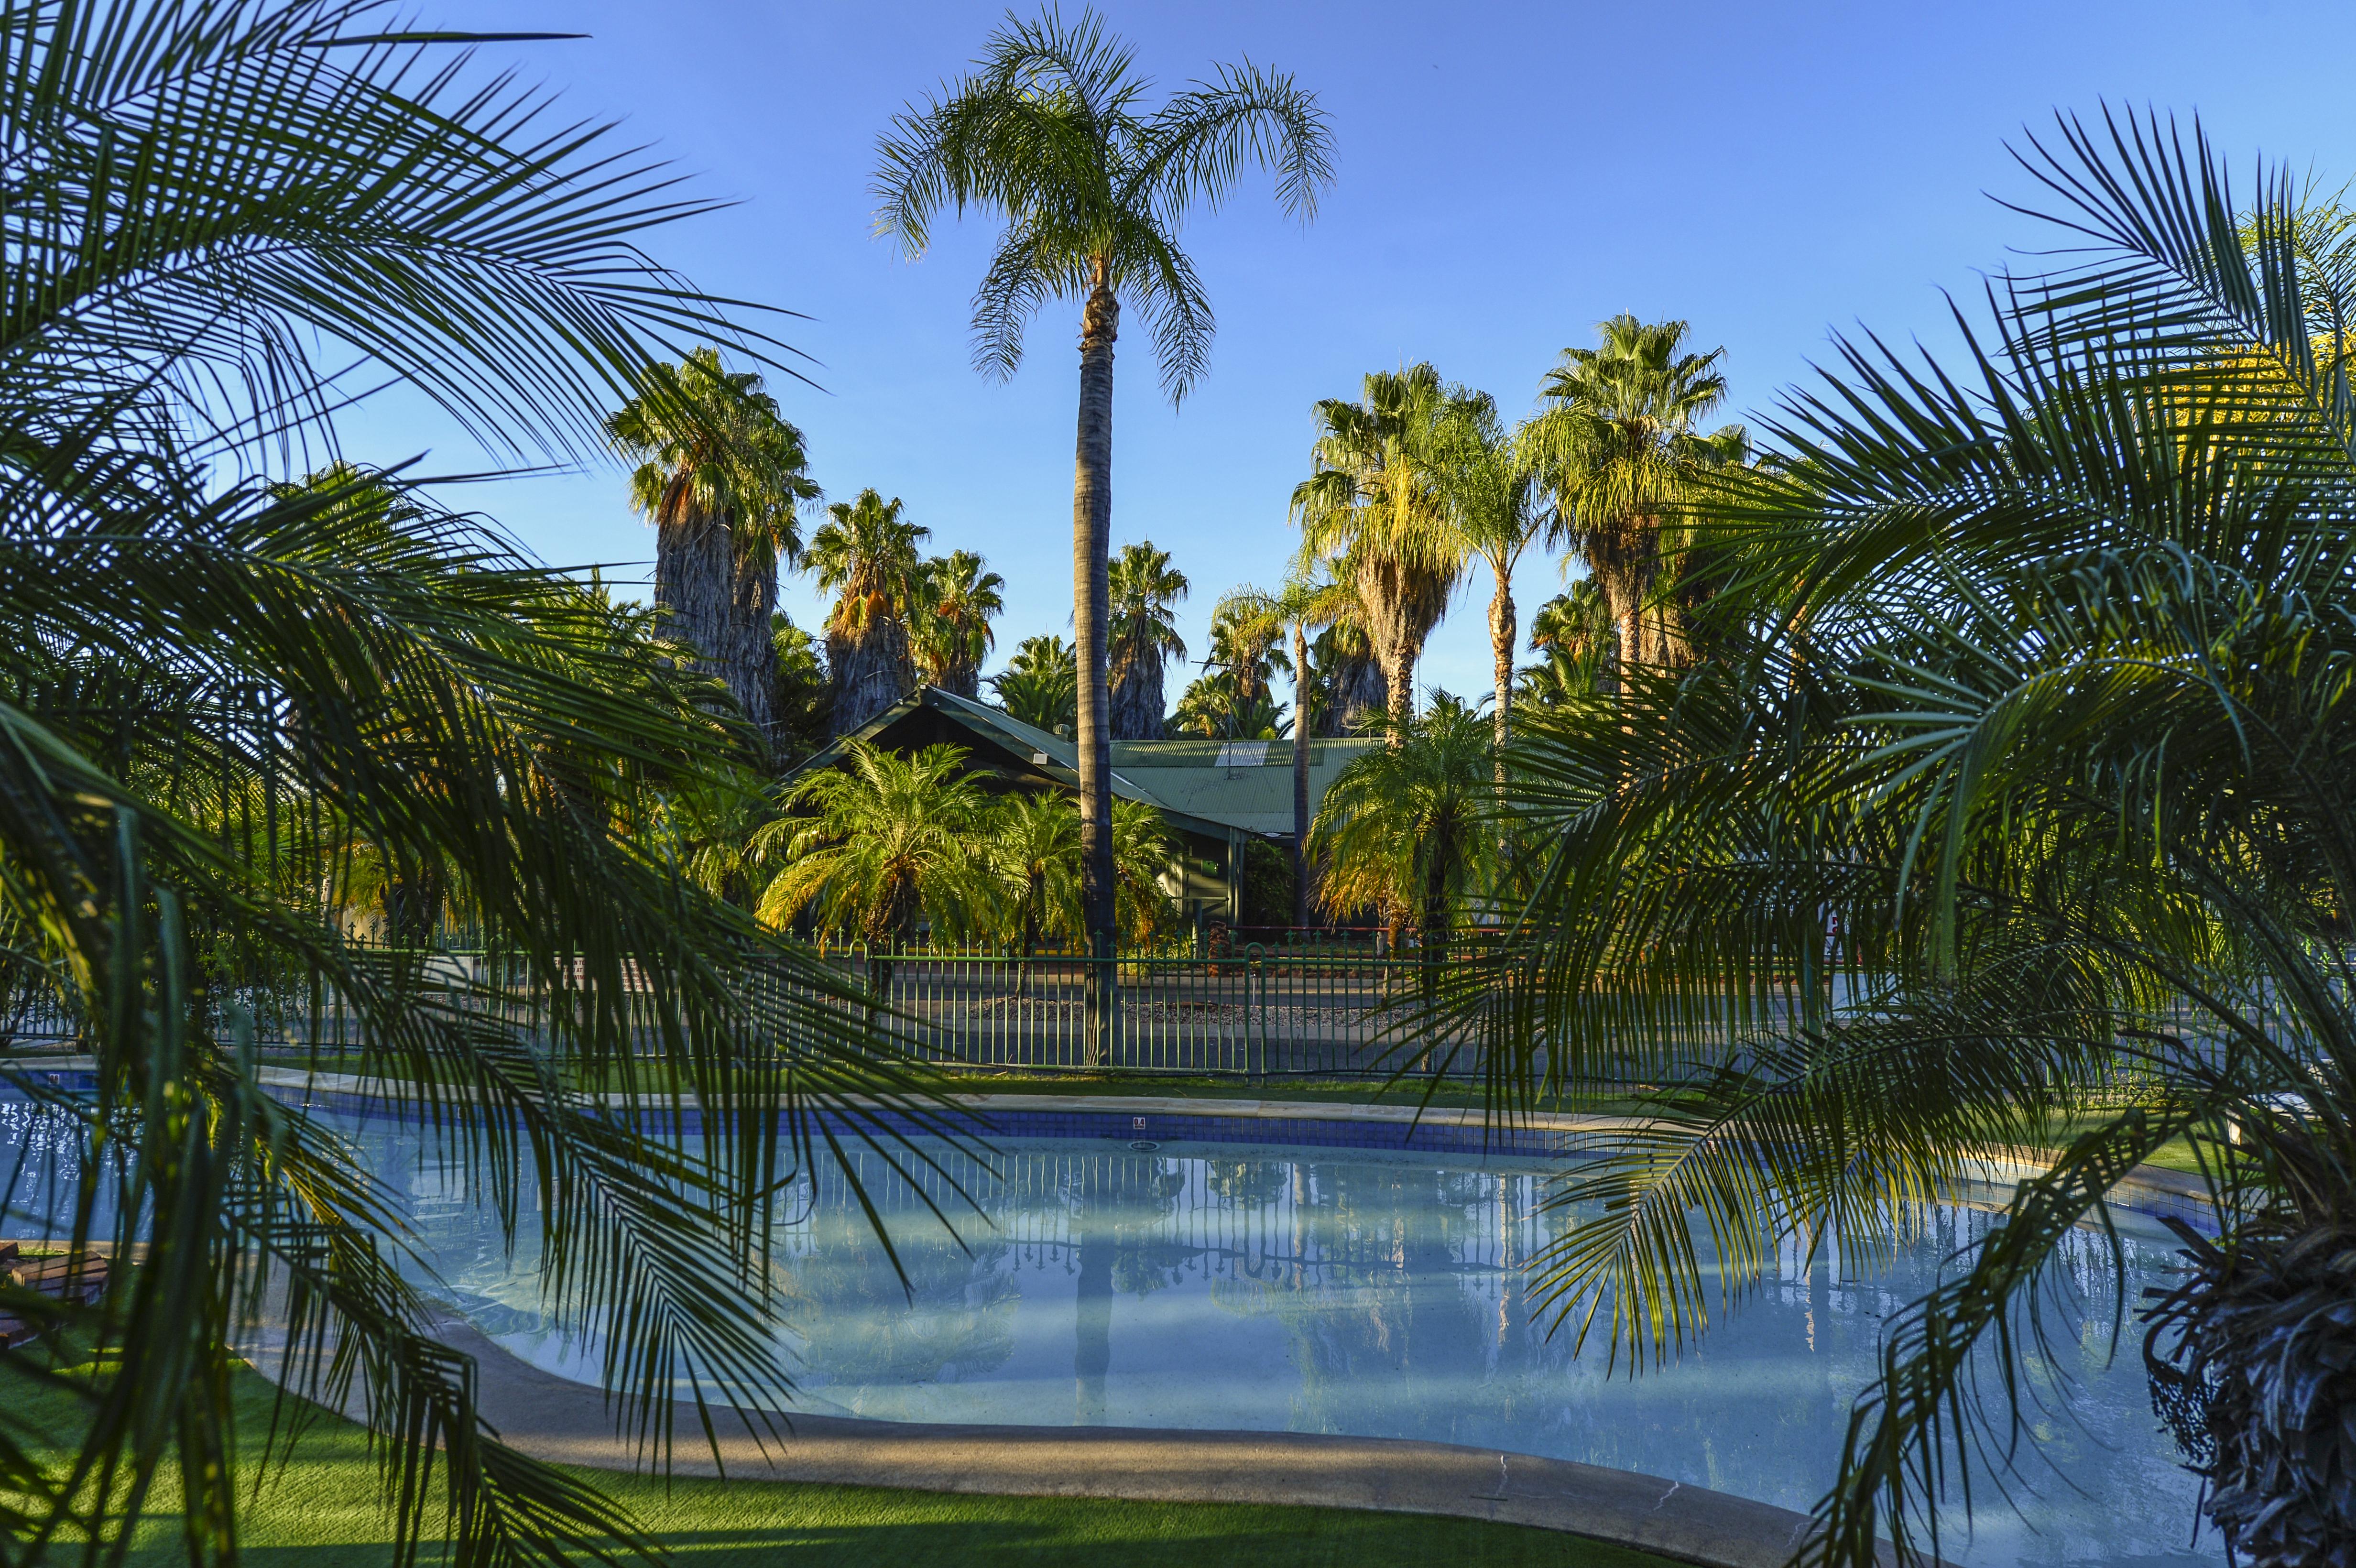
(949, 631)
(865, 555)
(1040, 685)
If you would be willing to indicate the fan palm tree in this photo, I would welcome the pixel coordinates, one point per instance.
(1040, 685)
(865, 555)
(1620, 448)
(1488, 481)
(2045, 745)
(1408, 827)
(881, 847)
(1216, 708)
(1300, 603)
(1346, 690)
(1051, 131)
(1144, 589)
(1373, 513)
(949, 631)
(1577, 636)
(720, 473)
(215, 691)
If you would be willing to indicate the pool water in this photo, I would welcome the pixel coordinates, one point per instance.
(1370, 1292)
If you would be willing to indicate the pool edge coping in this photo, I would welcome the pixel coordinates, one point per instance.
(559, 1421)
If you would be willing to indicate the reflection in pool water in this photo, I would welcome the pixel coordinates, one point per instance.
(1370, 1293)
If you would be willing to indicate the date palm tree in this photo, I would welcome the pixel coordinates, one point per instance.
(2043, 745)
(1409, 827)
(865, 555)
(1142, 629)
(1372, 513)
(1347, 690)
(1621, 448)
(949, 632)
(722, 476)
(216, 688)
(886, 848)
(1052, 133)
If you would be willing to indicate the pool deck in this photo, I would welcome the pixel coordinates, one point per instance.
(554, 1419)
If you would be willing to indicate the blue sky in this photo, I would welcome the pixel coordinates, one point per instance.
(1507, 175)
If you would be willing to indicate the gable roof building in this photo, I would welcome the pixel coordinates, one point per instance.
(1216, 795)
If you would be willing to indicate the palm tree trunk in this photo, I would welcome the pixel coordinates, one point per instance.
(750, 663)
(1091, 543)
(1301, 744)
(694, 578)
(1399, 670)
(1501, 628)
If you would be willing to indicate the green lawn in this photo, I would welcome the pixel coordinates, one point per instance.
(322, 1512)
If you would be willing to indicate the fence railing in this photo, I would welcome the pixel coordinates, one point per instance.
(1228, 1011)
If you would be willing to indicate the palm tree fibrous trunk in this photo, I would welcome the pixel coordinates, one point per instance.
(1091, 545)
(695, 581)
(1137, 702)
(750, 656)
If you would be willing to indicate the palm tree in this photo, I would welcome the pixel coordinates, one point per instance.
(1488, 481)
(1407, 827)
(722, 474)
(880, 847)
(1302, 603)
(1619, 449)
(1217, 707)
(1040, 685)
(1576, 635)
(865, 555)
(1347, 690)
(1052, 133)
(2045, 748)
(1372, 511)
(216, 690)
(1034, 842)
(1142, 635)
(949, 631)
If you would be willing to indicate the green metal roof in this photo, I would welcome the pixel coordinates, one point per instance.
(1245, 784)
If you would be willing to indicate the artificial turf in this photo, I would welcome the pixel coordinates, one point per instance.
(321, 1510)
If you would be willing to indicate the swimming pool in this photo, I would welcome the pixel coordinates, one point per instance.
(1205, 1281)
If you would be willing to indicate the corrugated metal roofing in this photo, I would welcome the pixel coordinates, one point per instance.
(1242, 785)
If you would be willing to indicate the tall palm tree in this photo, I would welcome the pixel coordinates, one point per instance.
(1051, 131)
(865, 555)
(1621, 448)
(722, 474)
(2044, 746)
(949, 632)
(1373, 513)
(1142, 629)
(214, 690)
(1488, 481)
(1041, 684)
(1300, 603)
(1408, 828)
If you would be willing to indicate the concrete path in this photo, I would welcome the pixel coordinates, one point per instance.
(568, 1423)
